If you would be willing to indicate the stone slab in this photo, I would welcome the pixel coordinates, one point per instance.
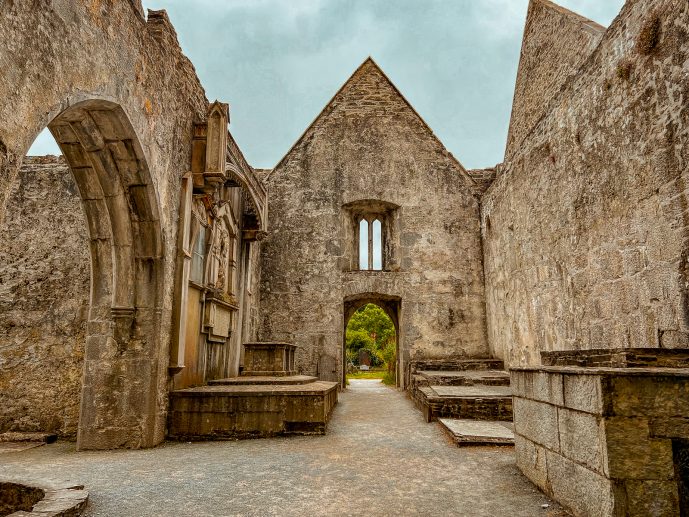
(466, 377)
(609, 372)
(257, 380)
(472, 391)
(478, 432)
(241, 390)
(457, 364)
(618, 358)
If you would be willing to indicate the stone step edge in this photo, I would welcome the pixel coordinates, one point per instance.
(435, 397)
(475, 440)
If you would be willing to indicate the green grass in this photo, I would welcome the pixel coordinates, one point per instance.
(387, 378)
(370, 374)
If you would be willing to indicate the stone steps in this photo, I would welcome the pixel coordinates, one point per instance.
(470, 398)
(461, 378)
(466, 402)
(478, 432)
(457, 365)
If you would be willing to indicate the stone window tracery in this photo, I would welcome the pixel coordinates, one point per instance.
(369, 236)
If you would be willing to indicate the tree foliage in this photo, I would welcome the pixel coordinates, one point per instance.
(371, 329)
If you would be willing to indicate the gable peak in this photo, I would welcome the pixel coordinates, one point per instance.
(574, 16)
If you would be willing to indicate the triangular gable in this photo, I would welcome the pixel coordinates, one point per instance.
(356, 76)
(556, 43)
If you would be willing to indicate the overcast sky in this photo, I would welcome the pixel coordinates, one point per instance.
(278, 62)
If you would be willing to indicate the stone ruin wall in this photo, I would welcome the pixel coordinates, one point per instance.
(544, 67)
(585, 229)
(368, 144)
(44, 300)
(133, 68)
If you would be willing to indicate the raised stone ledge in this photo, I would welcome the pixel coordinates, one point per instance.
(618, 358)
(606, 371)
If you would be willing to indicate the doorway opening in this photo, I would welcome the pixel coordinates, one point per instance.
(371, 338)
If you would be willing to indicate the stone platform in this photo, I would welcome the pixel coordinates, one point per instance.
(478, 432)
(268, 399)
(233, 411)
(604, 438)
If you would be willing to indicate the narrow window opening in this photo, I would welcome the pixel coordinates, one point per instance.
(377, 245)
(363, 245)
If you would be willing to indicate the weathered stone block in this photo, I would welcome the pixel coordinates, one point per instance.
(537, 422)
(582, 490)
(583, 392)
(656, 498)
(582, 438)
(670, 427)
(541, 386)
(633, 454)
(649, 396)
(531, 460)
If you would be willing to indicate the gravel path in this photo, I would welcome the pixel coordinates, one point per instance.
(378, 458)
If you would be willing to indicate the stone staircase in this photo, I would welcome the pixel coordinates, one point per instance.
(471, 398)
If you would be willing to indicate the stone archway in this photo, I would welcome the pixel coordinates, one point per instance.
(122, 377)
(392, 305)
(113, 85)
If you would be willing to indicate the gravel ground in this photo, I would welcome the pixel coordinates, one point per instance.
(378, 458)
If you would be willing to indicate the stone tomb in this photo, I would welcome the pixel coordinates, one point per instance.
(268, 399)
(269, 359)
(608, 436)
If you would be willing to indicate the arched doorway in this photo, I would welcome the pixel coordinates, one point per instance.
(391, 305)
(123, 376)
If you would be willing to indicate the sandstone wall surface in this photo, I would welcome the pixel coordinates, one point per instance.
(368, 144)
(586, 227)
(44, 300)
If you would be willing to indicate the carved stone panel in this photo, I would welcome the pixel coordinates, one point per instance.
(218, 320)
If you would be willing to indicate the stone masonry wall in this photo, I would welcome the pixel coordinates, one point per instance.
(555, 44)
(586, 228)
(368, 144)
(44, 300)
